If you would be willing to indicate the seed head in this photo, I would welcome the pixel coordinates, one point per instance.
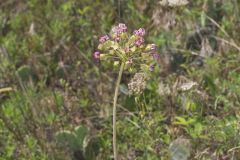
(137, 84)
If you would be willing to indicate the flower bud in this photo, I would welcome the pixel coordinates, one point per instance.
(153, 47)
(116, 63)
(156, 56)
(96, 55)
(103, 56)
(117, 39)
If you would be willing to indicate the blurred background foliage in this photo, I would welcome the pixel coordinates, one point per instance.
(191, 104)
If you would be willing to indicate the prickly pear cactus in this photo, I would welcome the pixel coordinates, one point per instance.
(92, 148)
(25, 73)
(74, 140)
(79, 143)
(67, 138)
(81, 134)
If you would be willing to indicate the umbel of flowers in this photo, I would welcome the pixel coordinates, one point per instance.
(129, 52)
(122, 47)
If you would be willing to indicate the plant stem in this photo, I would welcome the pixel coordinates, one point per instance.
(115, 110)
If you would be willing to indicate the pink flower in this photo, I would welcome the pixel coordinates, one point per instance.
(139, 32)
(130, 61)
(103, 39)
(119, 29)
(139, 41)
(115, 29)
(96, 55)
(122, 27)
(151, 67)
(135, 32)
(156, 56)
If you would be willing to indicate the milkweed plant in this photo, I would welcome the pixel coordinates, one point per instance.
(127, 52)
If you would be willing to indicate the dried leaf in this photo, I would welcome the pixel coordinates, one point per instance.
(173, 3)
(187, 86)
(180, 149)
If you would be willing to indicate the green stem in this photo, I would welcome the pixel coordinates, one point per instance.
(115, 110)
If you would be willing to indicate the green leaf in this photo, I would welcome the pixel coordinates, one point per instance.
(183, 121)
(123, 88)
(180, 120)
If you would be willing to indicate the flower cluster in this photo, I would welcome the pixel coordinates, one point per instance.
(120, 28)
(123, 47)
(117, 31)
(139, 34)
(103, 39)
(137, 84)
